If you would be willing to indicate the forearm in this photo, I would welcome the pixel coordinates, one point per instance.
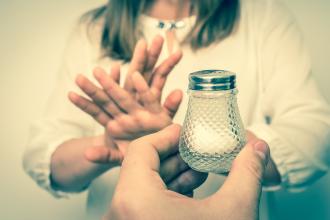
(70, 170)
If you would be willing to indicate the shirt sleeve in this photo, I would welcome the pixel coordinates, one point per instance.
(298, 127)
(61, 121)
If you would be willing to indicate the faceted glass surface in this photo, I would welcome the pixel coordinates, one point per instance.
(213, 133)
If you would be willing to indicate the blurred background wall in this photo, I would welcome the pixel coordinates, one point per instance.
(32, 37)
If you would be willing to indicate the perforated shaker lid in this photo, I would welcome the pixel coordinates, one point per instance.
(212, 80)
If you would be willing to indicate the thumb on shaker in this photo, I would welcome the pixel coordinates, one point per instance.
(243, 186)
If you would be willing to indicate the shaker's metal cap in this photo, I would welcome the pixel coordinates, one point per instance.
(212, 80)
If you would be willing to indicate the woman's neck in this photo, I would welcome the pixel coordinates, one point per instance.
(169, 9)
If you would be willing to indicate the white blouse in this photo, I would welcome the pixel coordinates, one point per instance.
(278, 98)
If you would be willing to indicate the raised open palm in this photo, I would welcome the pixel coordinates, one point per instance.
(135, 110)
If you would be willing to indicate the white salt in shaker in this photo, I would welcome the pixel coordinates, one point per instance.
(213, 132)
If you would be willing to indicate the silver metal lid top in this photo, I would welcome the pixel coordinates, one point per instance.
(212, 80)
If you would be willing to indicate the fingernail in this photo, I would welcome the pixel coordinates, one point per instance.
(262, 149)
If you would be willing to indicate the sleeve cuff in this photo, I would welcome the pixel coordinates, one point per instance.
(40, 172)
(295, 170)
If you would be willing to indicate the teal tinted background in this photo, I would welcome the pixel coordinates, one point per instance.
(32, 37)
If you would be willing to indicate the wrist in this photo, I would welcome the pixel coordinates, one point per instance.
(70, 171)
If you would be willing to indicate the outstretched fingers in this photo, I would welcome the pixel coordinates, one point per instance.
(161, 72)
(138, 63)
(91, 90)
(122, 98)
(153, 55)
(97, 95)
(115, 72)
(90, 108)
(172, 102)
(145, 95)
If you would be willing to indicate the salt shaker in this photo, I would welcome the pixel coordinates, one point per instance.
(213, 132)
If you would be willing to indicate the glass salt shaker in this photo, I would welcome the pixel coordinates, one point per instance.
(213, 132)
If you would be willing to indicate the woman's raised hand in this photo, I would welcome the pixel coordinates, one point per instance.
(144, 61)
(135, 110)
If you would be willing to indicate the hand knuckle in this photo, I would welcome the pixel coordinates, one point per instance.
(124, 206)
(185, 180)
(122, 119)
